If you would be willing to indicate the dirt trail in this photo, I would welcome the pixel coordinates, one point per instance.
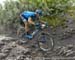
(13, 48)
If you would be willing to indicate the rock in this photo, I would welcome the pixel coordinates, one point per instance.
(54, 33)
(68, 31)
(10, 58)
(20, 50)
(21, 42)
(13, 44)
(51, 27)
(71, 53)
(2, 43)
(70, 46)
(64, 34)
(6, 41)
(26, 51)
(38, 58)
(5, 38)
(65, 52)
(61, 51)
(57, 48)
(6, 49)
(2, 55)
(71, 29)
(28, 58)
(20, 57)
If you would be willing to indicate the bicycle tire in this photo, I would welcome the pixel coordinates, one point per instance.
(49, 41)
(20, 31)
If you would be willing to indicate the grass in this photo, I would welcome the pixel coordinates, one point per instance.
(54, 21)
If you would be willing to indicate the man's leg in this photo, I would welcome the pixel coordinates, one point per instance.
(27, 30)
(26, 27)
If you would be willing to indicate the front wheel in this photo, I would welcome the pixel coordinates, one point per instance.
(45, 41)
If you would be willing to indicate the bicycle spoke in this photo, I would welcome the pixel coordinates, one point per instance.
(46, 40)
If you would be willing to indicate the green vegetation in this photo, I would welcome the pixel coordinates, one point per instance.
(53, 11)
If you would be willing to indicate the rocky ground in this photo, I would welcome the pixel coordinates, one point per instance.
(13, 48)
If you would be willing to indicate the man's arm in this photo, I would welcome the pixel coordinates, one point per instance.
(43, 22)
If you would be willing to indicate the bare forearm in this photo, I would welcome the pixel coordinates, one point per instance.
(32, 22)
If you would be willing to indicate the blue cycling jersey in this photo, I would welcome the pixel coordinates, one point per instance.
(27, 14)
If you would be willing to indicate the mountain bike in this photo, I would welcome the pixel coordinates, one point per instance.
(44, 38)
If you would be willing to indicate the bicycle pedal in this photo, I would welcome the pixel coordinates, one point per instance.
(43, 41)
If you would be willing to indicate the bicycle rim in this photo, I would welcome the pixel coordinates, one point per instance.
(47, 40)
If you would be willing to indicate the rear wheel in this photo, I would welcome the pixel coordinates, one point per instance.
(45, 41)
(20, 31)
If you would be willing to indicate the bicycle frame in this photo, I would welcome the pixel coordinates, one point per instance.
(38, 27)
(37, 30)
(41, 31)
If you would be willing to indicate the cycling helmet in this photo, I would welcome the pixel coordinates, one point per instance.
(39, 12)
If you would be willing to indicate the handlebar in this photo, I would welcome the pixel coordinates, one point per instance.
(41, 26)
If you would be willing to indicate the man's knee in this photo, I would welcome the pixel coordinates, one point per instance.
(29, 21)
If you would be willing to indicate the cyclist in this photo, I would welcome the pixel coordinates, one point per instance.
(28, 17)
